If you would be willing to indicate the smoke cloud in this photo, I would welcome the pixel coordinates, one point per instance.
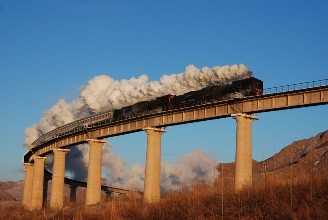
(103, 93)
(188, 169)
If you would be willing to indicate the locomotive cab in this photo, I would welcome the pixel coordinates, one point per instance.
(248, 87)
(256, 87)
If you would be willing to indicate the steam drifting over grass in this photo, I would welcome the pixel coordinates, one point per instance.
(190, 168)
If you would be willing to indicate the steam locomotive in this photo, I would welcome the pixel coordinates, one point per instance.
(236, 90)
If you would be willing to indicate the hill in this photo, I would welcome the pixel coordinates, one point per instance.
(299, 160)
(11, 191)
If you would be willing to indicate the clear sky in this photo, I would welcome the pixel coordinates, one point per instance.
(49, 48)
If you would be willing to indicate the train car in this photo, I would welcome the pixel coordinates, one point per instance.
(81, 125)
(144, 107)
(100, 119)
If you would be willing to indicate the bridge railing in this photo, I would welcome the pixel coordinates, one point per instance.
(298, 86)
(67, 129)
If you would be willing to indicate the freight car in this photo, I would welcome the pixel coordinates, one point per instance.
(235, 90)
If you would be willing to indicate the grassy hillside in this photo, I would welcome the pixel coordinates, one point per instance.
(306, 200)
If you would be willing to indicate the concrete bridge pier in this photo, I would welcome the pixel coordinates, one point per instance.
(152, 192)
(58, 175)
(45, 191)
(93, 195)
(38, 178)
(72, 195)
(243, 162)
(28, 184)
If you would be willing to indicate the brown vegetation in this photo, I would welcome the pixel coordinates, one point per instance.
(293, 184)
(11, 191)
(300, 200)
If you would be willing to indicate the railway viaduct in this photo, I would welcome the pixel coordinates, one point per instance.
(278, 98)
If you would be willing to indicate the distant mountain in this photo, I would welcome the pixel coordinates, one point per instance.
(311, 153)
(301, 158)
(11, 191)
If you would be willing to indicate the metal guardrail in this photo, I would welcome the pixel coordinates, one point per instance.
(294, 87)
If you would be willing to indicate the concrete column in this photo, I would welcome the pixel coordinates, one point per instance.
(94, 172)
(28, 185)
(243, 163)
(37, 189)
(72, 196)
(152, 191)
(58, 175)
(45, 191)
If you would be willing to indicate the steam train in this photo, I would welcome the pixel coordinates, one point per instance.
(236, 90)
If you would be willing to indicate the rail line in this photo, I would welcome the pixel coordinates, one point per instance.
(235, 105)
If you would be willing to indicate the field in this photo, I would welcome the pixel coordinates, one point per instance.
(301, 199)
(292, 184)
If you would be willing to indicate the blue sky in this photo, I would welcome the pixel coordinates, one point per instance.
(49, 48)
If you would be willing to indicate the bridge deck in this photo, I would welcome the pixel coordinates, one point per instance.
(205, 111)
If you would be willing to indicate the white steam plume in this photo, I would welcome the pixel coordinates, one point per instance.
(103, 93)
(188, 169)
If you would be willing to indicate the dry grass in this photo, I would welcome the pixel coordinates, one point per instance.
(304, 200)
